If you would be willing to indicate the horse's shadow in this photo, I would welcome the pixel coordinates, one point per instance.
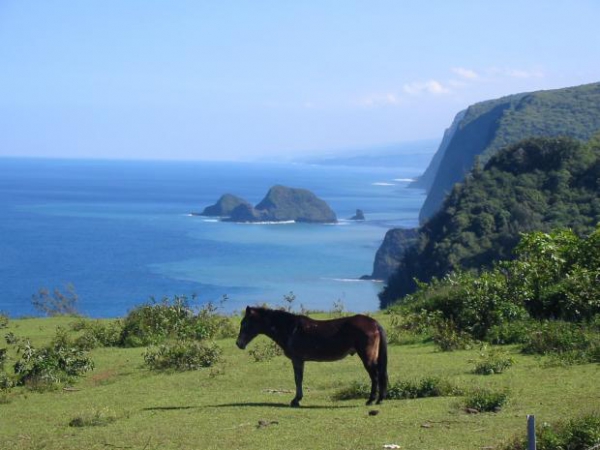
(169, 408)
(277, 405)
(246, 405)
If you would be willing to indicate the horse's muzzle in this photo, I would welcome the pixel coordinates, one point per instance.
(241, 344)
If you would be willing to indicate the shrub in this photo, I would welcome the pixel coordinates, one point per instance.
(211, 325)
(493, 362)
(510, 332)
(155, 322)
(6, 382)
(449, 338)
(97, 334)
(554, 276)
(265, 351)
(401, 390)
(355, 390)
(571, 343)
(426, 387)
(11, 338)
(58, 363)
(182, 355)
(581, 433)
(338, 308)
(408, 328)
(485, 400)
(3, 320)
(94, 418)
(3, 357)
(56, 303)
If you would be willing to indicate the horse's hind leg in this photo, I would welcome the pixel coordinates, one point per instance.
(374, 374)
(298, 375)
(373, 371)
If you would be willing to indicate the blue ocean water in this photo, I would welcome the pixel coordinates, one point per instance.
(121, 232)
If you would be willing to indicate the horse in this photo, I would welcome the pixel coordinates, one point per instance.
(304, 339)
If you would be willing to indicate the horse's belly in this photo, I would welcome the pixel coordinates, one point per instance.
(318, 353)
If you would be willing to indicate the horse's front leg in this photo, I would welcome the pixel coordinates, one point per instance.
(298, 375)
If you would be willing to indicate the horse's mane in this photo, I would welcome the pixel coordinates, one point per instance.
(278, 315)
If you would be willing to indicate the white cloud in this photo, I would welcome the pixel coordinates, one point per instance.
(517, 73)
(465, 73)
(428, 87)
(388, 99)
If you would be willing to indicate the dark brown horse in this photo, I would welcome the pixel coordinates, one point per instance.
(304, 339)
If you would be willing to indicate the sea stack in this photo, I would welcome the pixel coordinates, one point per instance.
(360, 215)
(285, 204)
(224, 206)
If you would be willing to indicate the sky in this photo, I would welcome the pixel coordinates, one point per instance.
(243, 80)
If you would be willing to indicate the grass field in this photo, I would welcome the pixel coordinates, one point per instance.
(243, 404)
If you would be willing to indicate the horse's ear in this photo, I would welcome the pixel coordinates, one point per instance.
(248, 310)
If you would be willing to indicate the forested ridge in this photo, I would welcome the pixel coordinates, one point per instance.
(486, 127)
(538, 184)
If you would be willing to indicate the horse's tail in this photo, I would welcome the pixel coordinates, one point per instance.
(382, 361)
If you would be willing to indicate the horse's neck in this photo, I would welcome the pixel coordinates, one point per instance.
(280, 328)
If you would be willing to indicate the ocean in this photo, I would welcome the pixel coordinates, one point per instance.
(121, 233)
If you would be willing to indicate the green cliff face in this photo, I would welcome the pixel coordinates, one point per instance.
(426, 180)
(538, 184)
(487, 127)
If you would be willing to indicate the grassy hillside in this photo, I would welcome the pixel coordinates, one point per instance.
(241, 403)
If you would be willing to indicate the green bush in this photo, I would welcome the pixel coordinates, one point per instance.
(554, 276)
(408, 328)
(571, 343)
(182, 355)
(6, 382)
(448, 337)
(3, 320)
(211, 325)
(425, 387)
(485, 400)
(56, 364)
(493, 362)
(94, 418)
(98, 334)
(510, 332)
(154, 322)
(582, 433)
(3, 357)
(265, 351)
(356, 390)
(402, 389)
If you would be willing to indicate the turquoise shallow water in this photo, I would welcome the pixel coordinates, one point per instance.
(121, 232)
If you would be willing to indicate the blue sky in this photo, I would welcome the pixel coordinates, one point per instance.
(262, 79)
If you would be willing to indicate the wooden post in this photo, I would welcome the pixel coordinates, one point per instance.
(531, 444)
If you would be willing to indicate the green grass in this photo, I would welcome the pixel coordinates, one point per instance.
(222, 407)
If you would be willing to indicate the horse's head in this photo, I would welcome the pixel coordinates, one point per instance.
(250, 327)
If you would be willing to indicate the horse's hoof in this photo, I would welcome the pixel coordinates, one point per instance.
(369, 402)
(295, 404)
